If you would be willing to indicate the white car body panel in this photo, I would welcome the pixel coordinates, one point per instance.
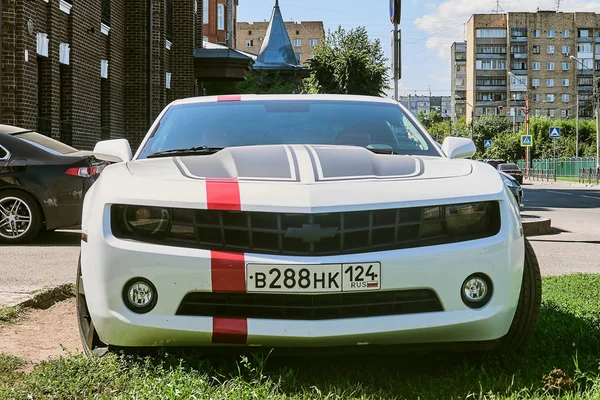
(107, 262)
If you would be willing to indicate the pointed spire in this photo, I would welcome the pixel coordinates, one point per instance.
(276, 50)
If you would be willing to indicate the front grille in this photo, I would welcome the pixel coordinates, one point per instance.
(338, 232)
(309, 307)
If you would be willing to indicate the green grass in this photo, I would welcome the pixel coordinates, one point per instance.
(563, 361)
(9, 315)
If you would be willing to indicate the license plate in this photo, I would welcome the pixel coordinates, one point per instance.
(313, 278)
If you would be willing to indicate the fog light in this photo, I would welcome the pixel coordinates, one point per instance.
(140, 295)
(476, 290)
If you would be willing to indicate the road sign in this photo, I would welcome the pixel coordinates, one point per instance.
(395, 11)
(554, 132)
(487, 144)
(526, 140)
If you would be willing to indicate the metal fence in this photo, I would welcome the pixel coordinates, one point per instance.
(565, 167)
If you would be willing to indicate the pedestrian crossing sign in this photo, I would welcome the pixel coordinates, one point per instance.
(554, 132)
(526, 140)
(487, 144)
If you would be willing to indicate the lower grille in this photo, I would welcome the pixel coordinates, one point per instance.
(309, 307)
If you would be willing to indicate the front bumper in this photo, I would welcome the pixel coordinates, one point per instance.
(108, 263)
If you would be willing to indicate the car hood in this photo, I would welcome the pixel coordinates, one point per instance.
(299, 164)
(301, 179)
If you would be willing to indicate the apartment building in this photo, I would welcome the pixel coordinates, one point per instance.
(458, 93)
(426, 104)
(219, 18)
(551, 57)
(304, 35)
(84, 71)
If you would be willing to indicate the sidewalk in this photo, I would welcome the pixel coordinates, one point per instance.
(559, 183)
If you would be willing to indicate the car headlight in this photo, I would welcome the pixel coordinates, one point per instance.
(508, 182)
(140, 220)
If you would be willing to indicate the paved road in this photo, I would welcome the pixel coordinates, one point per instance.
(575, 210)
(53, 259)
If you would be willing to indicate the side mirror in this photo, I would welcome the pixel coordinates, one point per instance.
(116, 148)
(455, 147)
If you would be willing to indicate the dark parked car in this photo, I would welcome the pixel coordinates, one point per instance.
(512, 170)
(514, 186)
(494, 162)
(42, 183)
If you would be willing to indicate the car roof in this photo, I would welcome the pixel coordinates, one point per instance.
(247, 97)
(12, 130)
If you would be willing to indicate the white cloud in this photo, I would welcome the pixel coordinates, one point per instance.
(447, 24)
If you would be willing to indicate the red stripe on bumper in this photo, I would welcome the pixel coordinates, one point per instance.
(228, 272)
(230, 330)
(223, 194)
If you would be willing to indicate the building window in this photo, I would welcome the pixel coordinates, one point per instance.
(550, 66)
(537, 112)
(205, 38)
(565, 66)
(550, 98)
(565, 33)
(168, 80)
(250, 43)
(490, 33)
(598, 49)
(249, 33)
(518, 32)
(65, 6)
(311, 56)
(297, 32)
(583, 33)
(565, 113)
(535, 66)
(536, 49)
(565, 98)
(105, 17)
(550, 82)
(550, 33)
(313, 42)
(550, 49)
(536, 33)
(297, 42)
(64, 53)
(104, 69)
(536, 97)
(205, 12)
(221, 17)
(565, 82)
(551, 113)
(566, 50)
(584, 47)
(42, 44)
(535, 82)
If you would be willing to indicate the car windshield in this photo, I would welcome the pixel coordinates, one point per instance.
(505, 167)
(264, 122)
(45, 143)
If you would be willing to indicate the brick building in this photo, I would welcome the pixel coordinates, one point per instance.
(304, 35)
(85, 70)
(219, 18)
(536, 48)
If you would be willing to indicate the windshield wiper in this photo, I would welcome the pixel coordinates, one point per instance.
(379, 150)
(199, 150)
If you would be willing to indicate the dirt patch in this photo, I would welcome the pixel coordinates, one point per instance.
(43, 334)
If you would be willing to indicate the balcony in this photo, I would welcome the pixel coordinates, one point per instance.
(498, 88)
(517, 103)
(494, 56)
(519, 55)
(519, 71)
(518, 39)
(587, 39)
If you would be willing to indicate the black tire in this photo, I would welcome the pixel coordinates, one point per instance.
(35, 214)
(528, 308)
(91, 343)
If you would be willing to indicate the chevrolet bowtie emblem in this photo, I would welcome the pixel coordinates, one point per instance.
(311, 233)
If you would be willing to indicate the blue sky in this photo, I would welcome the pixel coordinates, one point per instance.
(428, 28)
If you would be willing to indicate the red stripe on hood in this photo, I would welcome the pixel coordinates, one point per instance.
(223, 194)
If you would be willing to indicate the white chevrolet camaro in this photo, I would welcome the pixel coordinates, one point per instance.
(302, 221)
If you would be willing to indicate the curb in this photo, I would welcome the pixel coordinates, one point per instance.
(541, 226)
(47, 297)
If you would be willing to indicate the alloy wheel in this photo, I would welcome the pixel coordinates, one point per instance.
(15, 218)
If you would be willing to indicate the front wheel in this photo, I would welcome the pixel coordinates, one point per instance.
(90, 341)
(21, 219)
(528, 308)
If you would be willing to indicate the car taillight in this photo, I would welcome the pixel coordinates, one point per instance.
(82, 172)
(518, 172)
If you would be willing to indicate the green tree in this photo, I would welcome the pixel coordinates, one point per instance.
(488, 127)
(348, 62)
(256, 82)
(506, 146)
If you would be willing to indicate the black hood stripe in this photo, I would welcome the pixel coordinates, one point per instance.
(281, 163)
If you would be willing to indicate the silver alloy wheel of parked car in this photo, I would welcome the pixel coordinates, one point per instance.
(15, 218)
